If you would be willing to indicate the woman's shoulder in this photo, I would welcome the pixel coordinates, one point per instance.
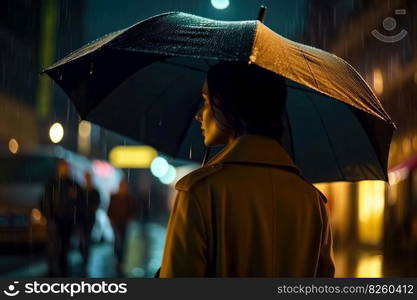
(186, 182)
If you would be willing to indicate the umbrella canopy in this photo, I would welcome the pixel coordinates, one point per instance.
(336, 127)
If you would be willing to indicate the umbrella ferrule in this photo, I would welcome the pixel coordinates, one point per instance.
(262, 13)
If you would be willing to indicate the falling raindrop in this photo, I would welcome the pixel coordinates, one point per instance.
(66, 10)
(190, 155)
(60, 77)
(91, 68)
(160, 123)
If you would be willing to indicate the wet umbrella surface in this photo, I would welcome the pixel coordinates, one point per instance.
(336, 127)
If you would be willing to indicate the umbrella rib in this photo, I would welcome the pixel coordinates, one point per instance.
(378, 157)
(290, 137)
(168, 87)
(328, 137)
(184, 66)
(308, 65)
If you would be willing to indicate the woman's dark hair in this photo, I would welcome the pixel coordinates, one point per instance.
(251, 99)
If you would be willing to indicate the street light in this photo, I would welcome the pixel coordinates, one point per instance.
(13, 146)
(220, 4)
(56, 133)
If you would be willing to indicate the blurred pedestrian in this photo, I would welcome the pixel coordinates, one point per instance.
(58, 205)
(88, 203)
(122, 209)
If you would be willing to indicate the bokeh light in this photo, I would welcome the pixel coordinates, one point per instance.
(84, 129)
(378, 81)
(159, 167)
(56, 133)
(13, 146)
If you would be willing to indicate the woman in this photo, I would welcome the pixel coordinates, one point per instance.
(247, 212)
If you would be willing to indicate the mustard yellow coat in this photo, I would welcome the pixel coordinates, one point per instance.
(248, 213)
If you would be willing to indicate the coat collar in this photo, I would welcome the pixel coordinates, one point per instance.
(255, 149)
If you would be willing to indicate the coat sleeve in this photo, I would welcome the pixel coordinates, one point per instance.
(185, 245)
(326, 266)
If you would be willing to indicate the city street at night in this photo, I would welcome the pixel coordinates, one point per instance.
(209, 138)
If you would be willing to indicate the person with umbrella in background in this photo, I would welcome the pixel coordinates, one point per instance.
(59, 206)
(330, 123)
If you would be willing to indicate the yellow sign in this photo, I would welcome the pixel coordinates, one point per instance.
(371, 211)
(139, 157)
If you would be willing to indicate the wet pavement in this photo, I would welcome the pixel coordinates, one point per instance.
(144, 247)
(144, 250)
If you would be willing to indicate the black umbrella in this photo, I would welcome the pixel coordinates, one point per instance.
(336, 127)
